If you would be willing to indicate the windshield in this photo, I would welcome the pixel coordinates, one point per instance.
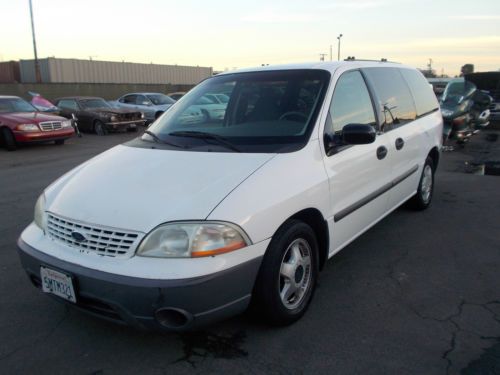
(456, 91)
(94, 103)
(8, 105)
(160, 99)
(265, 112)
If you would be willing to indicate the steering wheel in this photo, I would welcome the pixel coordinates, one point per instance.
(293, 113)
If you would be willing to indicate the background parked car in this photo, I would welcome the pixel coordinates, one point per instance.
(96, 115)
(152, 104)
(20, 122)
(218, 98)
(210, 108)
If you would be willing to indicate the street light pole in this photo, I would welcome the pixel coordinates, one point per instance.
(38, 76)
(338, 52)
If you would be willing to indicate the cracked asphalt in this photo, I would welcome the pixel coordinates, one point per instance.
(417, 294)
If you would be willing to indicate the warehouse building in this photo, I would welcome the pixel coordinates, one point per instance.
(54, 70)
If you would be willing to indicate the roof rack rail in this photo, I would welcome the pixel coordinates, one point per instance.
(383, 59)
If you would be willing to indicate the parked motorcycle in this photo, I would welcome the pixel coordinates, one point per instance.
(74, 122)
(465, 111)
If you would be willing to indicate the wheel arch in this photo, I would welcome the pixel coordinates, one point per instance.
(434, 155)
(314, 218)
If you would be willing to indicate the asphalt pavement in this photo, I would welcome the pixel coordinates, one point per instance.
(419, 293)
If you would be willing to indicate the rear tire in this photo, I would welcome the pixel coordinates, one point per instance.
(8, 139)
(288, 274)
(423, 198)
(59, 142)
(100, 128)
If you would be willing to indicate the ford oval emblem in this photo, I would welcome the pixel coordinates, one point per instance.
(78, 237)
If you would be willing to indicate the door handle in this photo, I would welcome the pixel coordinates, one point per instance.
(381, 152)
(399, 143)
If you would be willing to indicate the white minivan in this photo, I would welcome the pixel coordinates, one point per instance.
(238, 210)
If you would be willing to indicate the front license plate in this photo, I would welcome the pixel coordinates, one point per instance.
(57, 283)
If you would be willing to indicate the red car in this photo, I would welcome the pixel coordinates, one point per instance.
(20, 122)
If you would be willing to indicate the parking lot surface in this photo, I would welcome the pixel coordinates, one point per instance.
(419, 293)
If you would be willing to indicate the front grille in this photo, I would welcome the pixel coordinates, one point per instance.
(129, 116)
(99, 240)
(50, 125)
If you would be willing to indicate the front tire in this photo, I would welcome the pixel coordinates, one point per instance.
(288, 274)
(100, 128)
(423, 198)
(8, 140)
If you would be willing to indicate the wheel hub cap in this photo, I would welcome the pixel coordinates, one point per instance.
(426, 188)
(295, 273)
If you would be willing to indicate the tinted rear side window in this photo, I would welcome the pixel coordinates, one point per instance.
(396, 102)
(425, 100)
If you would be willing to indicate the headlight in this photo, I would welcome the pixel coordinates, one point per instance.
(66, 124)
(28, 128)
(113, 118)
(193, 239)
(40, 217)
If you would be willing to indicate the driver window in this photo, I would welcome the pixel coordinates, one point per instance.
(351, 103)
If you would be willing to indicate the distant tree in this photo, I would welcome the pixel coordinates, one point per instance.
(467, 69)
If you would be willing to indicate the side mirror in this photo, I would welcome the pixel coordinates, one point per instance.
(146, 103)
(358, 134)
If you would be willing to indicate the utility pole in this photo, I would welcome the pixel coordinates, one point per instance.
(38, 76)
(338, 54)
(322, 56)
(331, 52)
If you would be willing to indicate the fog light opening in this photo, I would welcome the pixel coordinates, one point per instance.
(172, 318)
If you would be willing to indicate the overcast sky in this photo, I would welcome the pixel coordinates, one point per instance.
(226, 34)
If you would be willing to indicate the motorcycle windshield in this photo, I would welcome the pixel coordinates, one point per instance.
(456, 91)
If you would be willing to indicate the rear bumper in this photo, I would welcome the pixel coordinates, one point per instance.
(26, 137)
(139, 302)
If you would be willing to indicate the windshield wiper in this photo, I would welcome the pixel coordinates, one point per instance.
(158, 139)
(203, 135)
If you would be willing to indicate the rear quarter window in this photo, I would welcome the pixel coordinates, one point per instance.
(425, 100)
(396, 103)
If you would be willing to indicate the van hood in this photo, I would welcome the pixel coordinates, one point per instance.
(138, 189)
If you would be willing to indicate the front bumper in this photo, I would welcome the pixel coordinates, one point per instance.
(43, 136)
(125, 124)
(188, 303)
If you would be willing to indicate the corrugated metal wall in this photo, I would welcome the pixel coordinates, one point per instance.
(9, 72)
(27, 68)
(86, 71)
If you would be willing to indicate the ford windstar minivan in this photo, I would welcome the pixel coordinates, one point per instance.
(240, 209)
